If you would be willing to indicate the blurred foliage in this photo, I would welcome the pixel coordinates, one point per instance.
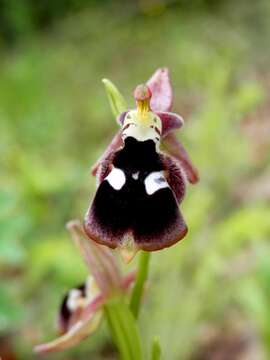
(55, 121)
(19, 19)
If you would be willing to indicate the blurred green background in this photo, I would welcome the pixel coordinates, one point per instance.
(209, 296)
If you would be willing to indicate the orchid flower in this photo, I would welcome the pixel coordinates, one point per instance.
(83, 306)
(141, 181)
(140, 186)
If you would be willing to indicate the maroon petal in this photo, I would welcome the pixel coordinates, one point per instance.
(121, 117)
(156, 222)
(170, 121)
(176, 232)
(105, 220)
(159, 223)
(135, 207)
(162, 94)
(174, 147)
(175, 177)
(115, 144)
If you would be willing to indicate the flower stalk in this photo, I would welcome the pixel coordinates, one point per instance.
(123, 329)
(141, 278)
(156, 350)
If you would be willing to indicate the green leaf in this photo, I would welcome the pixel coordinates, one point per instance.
(116, 100)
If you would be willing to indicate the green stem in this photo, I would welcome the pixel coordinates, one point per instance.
(116, 332)
(139, 283)
(123, 329)
(156, 350)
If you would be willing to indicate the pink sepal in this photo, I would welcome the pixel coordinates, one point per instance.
(162, 94)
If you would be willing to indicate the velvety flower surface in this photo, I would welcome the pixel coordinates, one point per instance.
(140, 186)
(82, 307)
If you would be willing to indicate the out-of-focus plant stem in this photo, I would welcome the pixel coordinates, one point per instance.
(142, 274)
(156, 350)
(123, 329)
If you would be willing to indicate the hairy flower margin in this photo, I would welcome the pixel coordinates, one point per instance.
(82, 307)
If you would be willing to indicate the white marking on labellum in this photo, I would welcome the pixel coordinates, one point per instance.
(135, 175)
(116, 178)
(74, 296)
(154, 182)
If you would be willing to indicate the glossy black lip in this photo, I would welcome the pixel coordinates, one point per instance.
(154, 220)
